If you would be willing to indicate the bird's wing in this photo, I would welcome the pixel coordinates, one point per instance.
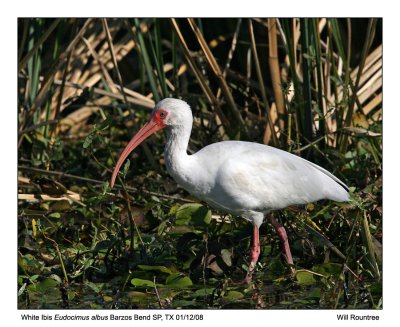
(337, 180)
(263, 177)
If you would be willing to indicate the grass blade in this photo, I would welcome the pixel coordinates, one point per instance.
(158, 57)
(147, 62)
(368, 243)
(39, 42)
(307, 109)
(319, 78)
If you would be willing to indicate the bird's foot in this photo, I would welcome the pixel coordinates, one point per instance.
(249, 275)
(293, 272)
(249, 278)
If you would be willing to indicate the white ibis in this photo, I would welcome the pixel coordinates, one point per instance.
(241, 178)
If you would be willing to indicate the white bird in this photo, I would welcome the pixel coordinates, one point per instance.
(241, 178)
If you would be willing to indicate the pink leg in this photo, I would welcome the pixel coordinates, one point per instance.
(255, 253)
(280, 230)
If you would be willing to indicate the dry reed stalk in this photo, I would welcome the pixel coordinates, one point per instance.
(248, 77)
(270, 124)
(76, 119)
(369, 88)
(200, 78)
(48, 79)
(104, 70)
(371, 105)
(44, 197)
(203, 83)
(274, 117)
(133, 97)
(275, 71)
(296, 40)
(231, 52)
(113, 57)
(369, 39)
(124, 46)
(218, 74)
(81, 55)
(377, 116)
(370, 80)
(372, 58)
(227, 65)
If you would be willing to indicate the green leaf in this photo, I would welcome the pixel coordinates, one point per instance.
(22, 289)
(88, 141)
(105, 124)
(176, 280)
(227, 257)
(106, 187)
(107, 298)
(155, 199)
(184, 303)
(276, 266)
(174, 209)
(142, 282)
(55, 215)
(193, 214)
(136, 294)
(41, 138)
(30, 265)
(93, 286)
(204, 291)
(71, 295)
(328, 269)
(315, 293)
(62, 205)
(126, 167)
(33, 278)
(305, 278)
(56, 278)
(234, 295)
(155, 268)
(44, 285)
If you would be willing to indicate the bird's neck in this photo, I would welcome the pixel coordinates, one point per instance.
(176, 157)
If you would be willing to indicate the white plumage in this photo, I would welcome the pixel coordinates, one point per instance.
(242, 178)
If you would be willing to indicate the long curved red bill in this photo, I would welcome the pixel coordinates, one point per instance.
(150, 128)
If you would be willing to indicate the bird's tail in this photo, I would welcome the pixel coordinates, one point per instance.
(339, 193)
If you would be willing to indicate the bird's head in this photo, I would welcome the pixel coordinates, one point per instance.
(168, 113)
(171, 112)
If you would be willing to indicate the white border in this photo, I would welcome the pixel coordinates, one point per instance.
(205, 8)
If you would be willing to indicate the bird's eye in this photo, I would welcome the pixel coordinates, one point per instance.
(162, 114)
